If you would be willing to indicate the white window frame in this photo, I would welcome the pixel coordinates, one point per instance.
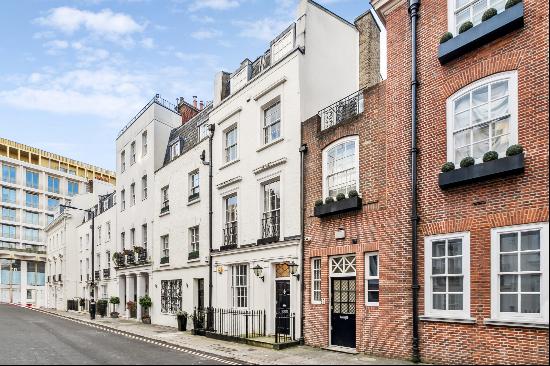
(343, 140)
(144, 187)
(122, 200)
(266, 138)
(202, 131)
(314, 279)
(369, 277)
(122, 161)
(451, 11)
(144, 143)
(192, 188)
(144, 230)
(236, 145)
(512, 77)
(175, 150)
(346, 263)
(194, 239)
(165, 241)
(132, 194)
(234, 287)
(133, 153)
(428, 300)
(544, 269)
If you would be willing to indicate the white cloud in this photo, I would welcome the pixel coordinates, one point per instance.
(148, 43)
(213, 4)
(264, 29)
(56, 44)
(202, 19)
(206, 34)
(104, 22)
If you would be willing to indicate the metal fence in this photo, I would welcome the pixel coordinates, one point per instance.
(285, 328)
(342, 110)
(231, 322)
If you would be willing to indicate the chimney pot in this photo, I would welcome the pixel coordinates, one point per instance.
(201, 105)
(195, 101)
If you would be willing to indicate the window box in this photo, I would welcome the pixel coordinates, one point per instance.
(338, 207)
(165, 209)
(228, 247)
(193, 197)
(165, 260)
(483, 33)
(492, 169)
(271, 239)
(193, 255)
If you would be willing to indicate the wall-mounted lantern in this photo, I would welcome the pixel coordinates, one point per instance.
(258, 271)
(293, 268)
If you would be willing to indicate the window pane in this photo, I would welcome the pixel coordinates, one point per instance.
(499, 107)
(499, 89)
(373, 296)
(438, 249)
(439, 302)
(508, 262)
(439, 284)
(455, 265)
(462, 120)
(530, 303)
(438, 266)
(455, 302)
(530, 283)
(455, 247)
(509, 303)
(481, 133)
(462, 138)
(461, 153)
(509, 283)
(509, 242)
(373, 265)
(500, 127)
(455, 284)
(480, 96)
(530, 261)
(530, 240)
(480, 149)
(462, 103)
(500, 144)
(373, 285)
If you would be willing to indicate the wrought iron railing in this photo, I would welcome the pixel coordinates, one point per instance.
(97, 275)
(119, 260)
(142, 255)
(230, 234)
(106, 273)
(130, 258)
(271, 224)
(342, 110)
(156, 99)
(285, 328)
(231, 322)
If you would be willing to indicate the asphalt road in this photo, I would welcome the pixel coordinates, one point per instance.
(29, 337)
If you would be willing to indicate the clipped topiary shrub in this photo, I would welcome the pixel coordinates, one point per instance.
(511, 3)
(467, 161)
(340, 197)
(490, 155)
(514, 150)
(445, 37)
(318, 203)
(489, 13)
(329, 200)
(353, 193)
(448, 167)
(465, 26)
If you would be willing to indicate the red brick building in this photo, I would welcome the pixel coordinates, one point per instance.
(483, 229)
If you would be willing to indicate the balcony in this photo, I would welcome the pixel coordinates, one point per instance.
(193, 255)
(130, 257)
(142, 255)
(230, 236)
(165, 207)
(106, 273)
(97, 275)
(118, 258)
(342, 110)
(270, 227)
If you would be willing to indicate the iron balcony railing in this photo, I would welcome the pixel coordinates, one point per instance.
(106, 273)
(130, 258)
(271, 224)
(230, 234)
(59, 278)
(97, 276)
(342, 110)
(142, 256)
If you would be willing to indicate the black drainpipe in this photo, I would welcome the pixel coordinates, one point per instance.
(413, 12)
(303, 151)
(211, 128)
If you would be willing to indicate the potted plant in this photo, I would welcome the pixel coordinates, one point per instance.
(82, 303)
(131, 306)
(102, 307)
(115, 301)
(182, 320)
(146, 303)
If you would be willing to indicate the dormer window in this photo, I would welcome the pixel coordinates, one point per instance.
(175, 150)
(471, 10)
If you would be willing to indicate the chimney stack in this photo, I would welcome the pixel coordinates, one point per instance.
(369, 49)
(195, 101)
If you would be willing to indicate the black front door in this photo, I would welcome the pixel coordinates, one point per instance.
(282, 306)
(343, 312)
(200, 293)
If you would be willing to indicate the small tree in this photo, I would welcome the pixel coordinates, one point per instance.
(115, 301)
(146, 303)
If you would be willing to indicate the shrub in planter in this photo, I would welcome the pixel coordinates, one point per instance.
(448, 167)
(489, 156)
(467, 161)
(182, 320)
(489, 13)
(511, 3)
(318, 203)
(465, 26)
(514, 150)
(138, 250)
(115, 301)
(82, 303)
(102, 307)
(329, 200)
(340, 197)
(445, 37)
(353, 193)
(146, 303)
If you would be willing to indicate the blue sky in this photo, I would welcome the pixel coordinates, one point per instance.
(73, 73)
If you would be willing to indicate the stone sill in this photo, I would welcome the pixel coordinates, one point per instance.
(269, 144)
(196, 200)
(229, 164)
(509, 323)
(430, 318)
(482, 34)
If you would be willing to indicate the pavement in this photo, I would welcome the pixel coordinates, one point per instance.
(30, 337)
(218, 350)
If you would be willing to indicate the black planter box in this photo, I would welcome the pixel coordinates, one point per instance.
(338, 207)
(193, 255)
(483, 33)
(228, 247)
(475, 173)
(268, 240)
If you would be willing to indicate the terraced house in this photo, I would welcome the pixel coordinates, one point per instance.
(34, 183)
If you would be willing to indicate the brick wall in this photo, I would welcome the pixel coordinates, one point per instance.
(481, 206)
